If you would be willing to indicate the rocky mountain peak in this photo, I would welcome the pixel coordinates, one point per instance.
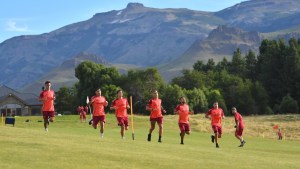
(228, 33)
(134, 5)
(83, 56)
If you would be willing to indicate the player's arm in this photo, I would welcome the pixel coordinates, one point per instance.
(91, 101)
(54, 96)
(148, 106)
(42, 98)
(127, 105)
(112, 106)
(105, 103)
(237, 124)
(207, 115)
(176, 110)
(164, 111)
(223, 116)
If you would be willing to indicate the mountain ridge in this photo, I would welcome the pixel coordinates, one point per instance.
(142, 36)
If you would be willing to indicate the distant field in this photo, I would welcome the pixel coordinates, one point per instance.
(71, 144)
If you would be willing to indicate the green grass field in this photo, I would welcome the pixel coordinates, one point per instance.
(72, 144)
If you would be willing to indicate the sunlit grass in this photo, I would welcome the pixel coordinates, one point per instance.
(72, 144)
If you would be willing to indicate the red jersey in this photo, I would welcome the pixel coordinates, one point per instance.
(78, 109)
(216, 116)
(183, 111)
(86, 109)
(48, 104)
(238, 117)
(156, 105)
(121, 107)
(98, 104)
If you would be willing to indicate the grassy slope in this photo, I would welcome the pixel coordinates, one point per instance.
(71, 144)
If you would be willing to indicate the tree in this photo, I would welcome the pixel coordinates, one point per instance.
(211, 65)
(196, 100)
(244, 99)
(223, 65)
(278, 69)
(199, 66)
(215, 95)
(250, 68)
(288, 105)
(65, 100)
(92, 76)
(260, 97)
(170, 95)
(238, 64)
(139, 83)
(191, 79)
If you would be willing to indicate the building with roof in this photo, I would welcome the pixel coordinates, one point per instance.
(14, 103)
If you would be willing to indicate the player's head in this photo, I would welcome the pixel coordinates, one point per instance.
(216, 104)
(98, 92)
(47, 85)
(154, 93)
(233, 110)
(182, 100)
(119, 93)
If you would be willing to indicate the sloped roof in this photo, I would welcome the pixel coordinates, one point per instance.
(27, 98)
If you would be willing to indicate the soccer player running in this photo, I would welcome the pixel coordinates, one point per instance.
(120, 105)
(239, 126)
(47, 96)
(216, 115)
(98, 102)
(182, 110)
(155, 108)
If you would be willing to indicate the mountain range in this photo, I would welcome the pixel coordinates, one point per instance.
(139, 37)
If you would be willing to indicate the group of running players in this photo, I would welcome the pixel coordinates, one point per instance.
(154, 105)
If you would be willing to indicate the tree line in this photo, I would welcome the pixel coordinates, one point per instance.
(266, 83)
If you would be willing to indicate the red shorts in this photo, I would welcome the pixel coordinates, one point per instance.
(96, 119)
(184, 127)
(159, 120)
(217, 129)
(122, 121)
(82, 115)
(239, 132)
(47, 114)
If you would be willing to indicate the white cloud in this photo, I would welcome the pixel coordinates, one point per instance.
(12, 26)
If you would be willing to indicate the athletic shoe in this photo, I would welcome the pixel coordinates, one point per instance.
(149, 137)
(242, 143)
(46, 129)
(217, 145)
(212, 138)
(101, 135)
(90, 122)
(182, 143)
(159, 140)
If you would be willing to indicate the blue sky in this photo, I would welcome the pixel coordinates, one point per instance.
(32, 17)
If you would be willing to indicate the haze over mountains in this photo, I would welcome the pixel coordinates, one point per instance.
(138, 36)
